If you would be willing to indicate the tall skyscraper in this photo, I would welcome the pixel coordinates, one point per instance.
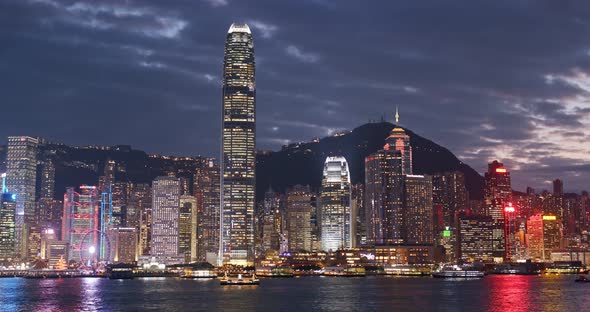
(543, 235)
(165, 217)
(238, 148)
(498, 193)
(80, 218)
(335, 212)
(384, 177)
(7, 228)
(187, 227)
(383, 191)
(449, 191)
(141, 200)
(474, 237)
(47, 179)
(206, 190)
(124, 244)
(50, 210)
(21, 175)
(299, 210)
(418, 212)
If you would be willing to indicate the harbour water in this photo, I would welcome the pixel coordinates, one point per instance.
(492, 293)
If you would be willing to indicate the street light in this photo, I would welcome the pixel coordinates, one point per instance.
(92, 250)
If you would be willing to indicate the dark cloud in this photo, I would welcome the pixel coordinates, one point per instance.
(496, 79)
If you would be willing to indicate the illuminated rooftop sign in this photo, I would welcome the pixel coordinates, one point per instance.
(501, 170)
(550, 218)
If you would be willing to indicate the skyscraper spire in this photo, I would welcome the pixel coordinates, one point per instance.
(396, 116)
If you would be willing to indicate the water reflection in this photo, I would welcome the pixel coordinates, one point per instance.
(92, 297)
(492, 293)
(511, 293)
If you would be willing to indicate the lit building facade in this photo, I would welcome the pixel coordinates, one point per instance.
(384, 189)
(418, 213)
(335, 212)
(187, 228)
(543, 236)
(141, 200)
(474, 237)
(449, 191)
(165, 218)
(383, 193)
(124, 244)
(497, 195)
(21, 175)
(238, 148)
(7, 228)
(299, 210)
(81, 217)
(206, 191)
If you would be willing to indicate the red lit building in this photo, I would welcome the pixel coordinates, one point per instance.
(498, 193)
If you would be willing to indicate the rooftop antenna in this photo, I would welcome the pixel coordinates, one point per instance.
(396, 116)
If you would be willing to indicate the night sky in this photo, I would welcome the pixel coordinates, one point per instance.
(505, 80)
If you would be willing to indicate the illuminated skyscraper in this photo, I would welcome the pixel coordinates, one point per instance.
(418, 212)
(141, 199)
(7, 228)
(187, 228)
(299, 210)
(81, 217)
(474, 237)
(21, 175)
(206, 190)
(124, 244)
(543, 235)
(449, 191)
(384, 177)
(383, 191)
(498, 193)
(165, 216)
(238, 148)
(335, 211)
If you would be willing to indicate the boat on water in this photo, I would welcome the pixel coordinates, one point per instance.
(408, 270)
(455, 271)
(239, 280)
(346, 271)
(281, 271)
(120, 271)
(190, 273)
(582, 279)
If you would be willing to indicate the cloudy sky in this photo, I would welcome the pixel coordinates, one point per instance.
(487, 79)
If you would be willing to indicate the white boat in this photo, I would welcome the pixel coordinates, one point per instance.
(225, 280)
(455, 271)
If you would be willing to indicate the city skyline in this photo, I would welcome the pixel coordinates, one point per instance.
(533, 119)
(354, 191)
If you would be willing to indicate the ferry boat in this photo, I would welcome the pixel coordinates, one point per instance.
(120, 271)
(408, 270)
(225, 280)
(346, 271)
(281, 271)
(455, 271)
(566, 267)
(202, 273)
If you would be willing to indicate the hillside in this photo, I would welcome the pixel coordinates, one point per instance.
(303, 163)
